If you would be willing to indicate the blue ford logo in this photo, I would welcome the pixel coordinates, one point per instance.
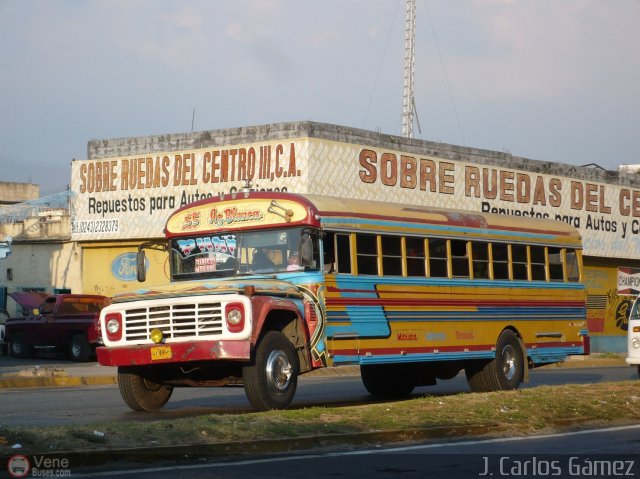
(124, 267)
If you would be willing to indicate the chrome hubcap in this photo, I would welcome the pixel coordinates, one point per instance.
(279, 371)
(509, 362)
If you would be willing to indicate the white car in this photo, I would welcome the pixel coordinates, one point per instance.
(3, 345)
(633, 336)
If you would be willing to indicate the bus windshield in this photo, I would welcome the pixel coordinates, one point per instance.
(248, 252)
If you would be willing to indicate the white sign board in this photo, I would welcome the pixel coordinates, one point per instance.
(132, 197)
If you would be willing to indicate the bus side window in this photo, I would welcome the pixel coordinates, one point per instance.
(500, 260)
(459, 259)
(480, 257)
(415, 257)
(438, 258)
(538, 263)
(519, 261)
(367, 254)
(573, 275)
(391, 255)
(343, 253)
(328, 245)
(555, 264)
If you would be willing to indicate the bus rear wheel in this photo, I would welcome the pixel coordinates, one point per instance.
(141, 393)
(504, 372)
(387, 381)
(270, 381)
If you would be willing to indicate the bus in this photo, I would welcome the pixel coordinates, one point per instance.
(268, 286)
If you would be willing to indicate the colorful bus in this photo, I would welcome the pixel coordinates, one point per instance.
(268, 286)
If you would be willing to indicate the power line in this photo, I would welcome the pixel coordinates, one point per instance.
(384, 53)
(446, 77)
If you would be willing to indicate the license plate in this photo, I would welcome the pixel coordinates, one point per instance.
(160, 352)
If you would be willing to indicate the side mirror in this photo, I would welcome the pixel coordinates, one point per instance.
(306, 251)
(141, 270)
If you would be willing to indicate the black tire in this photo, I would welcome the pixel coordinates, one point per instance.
(504, 372)
(387, 381)
(20, 347)
(270, 381)
(140, 393)
(79, 348)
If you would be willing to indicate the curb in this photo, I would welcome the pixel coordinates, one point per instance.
(61, 380)
(56, 381)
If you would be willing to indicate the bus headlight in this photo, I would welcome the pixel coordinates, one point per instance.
(635, 343)
(114, 326)
(234, 315)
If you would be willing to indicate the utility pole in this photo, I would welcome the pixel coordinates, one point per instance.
(408, 103)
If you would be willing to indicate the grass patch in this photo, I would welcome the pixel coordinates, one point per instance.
(517, 412)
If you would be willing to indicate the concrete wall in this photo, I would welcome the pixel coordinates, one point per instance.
(11, 193)
(44, 265)
(97, 149)
(38, 228)
(42, 256)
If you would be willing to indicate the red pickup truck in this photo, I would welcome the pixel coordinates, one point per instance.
(62, 321)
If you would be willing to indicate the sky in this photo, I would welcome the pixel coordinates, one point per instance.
(551, 80)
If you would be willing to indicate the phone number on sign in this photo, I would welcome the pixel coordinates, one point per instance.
(106, 225)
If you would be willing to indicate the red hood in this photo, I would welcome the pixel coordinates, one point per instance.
(29, 300)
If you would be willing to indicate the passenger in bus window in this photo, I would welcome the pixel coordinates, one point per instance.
(293, 263)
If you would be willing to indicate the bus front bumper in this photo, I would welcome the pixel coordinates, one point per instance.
(139, 355)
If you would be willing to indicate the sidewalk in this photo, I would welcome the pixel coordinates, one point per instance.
(56, 371)
(51, 370)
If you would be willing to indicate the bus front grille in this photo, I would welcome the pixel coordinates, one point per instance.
(174, 320)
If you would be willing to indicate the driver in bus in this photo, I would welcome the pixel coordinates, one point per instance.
(261, 261)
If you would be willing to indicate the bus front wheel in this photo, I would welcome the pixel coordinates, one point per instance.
(504, 372)
(271, 379)
(140, 393)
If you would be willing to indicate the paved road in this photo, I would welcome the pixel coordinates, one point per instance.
(78, 405)
(606, 450)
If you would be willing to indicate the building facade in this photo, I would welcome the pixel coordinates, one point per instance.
(126, 189)
(36, 250)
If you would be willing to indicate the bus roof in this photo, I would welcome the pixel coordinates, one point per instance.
(266, 209)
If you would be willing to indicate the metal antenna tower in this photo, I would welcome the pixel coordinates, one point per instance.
(408, 103)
